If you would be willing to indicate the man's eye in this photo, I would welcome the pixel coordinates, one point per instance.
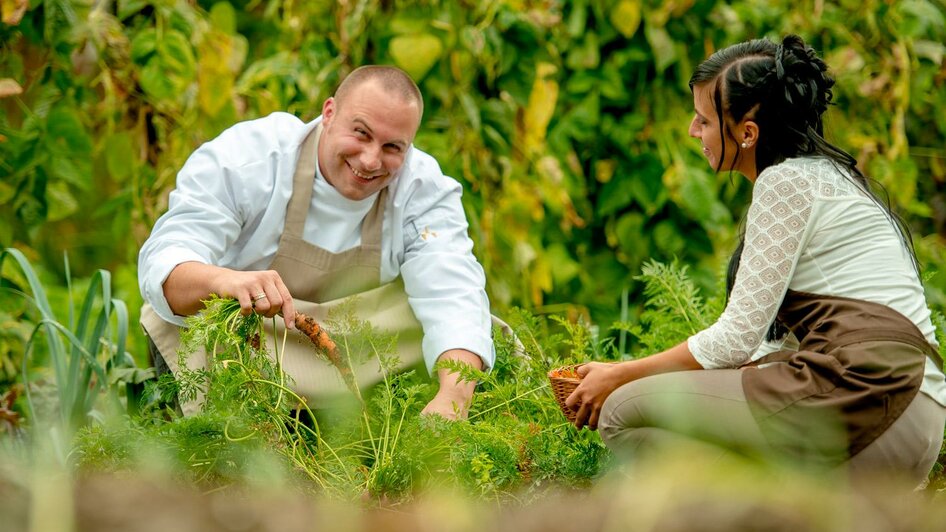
(361, 132)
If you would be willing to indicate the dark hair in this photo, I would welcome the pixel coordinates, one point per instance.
(392, 80)
(785, 89)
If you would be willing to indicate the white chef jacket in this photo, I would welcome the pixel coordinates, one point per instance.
(229, 209)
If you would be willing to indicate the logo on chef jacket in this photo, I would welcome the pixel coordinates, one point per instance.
(427, 234)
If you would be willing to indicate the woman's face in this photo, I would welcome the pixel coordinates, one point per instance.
(705, 126)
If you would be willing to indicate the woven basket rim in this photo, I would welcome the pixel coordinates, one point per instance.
(564, 379)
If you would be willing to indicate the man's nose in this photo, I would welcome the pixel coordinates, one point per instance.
(371, 158)
(693, 129)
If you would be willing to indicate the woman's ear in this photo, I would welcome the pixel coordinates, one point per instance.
(749, 134)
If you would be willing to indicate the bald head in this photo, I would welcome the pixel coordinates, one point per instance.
(392, 81)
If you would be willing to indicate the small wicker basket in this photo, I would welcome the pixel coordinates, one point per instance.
(564, 380)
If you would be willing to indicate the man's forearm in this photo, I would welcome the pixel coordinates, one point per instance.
(188, 284)
(450, 381)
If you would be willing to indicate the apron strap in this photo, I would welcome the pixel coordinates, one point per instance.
(302, 183)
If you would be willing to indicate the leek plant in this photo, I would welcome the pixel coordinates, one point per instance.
(85, 349)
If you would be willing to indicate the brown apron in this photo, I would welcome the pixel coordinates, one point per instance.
(857, 368)
(320, 282)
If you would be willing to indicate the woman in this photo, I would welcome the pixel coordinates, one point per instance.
(820, 256)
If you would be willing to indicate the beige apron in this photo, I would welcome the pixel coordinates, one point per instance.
(320, 281)
(858, 363)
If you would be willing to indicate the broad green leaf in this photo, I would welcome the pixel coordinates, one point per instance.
(626, 17)
(564, 268)
(934, 51)
(177, 57)
(6, 192)
(259, 72)
(60, 200)
(585, 56)
(632, 238)
(65, 131)
(661, 45)
(127, 8)
(471, 110)
(408, 23)
(144, 44)
(578, 19)
(668, 239)
(215, 80)
(649, 192)
(416, 54)
(223, 17)
(71, 169)
(615, 195)
(120, 160)
(919, 18)
(156, 83)
(6, 233)
(697, 195)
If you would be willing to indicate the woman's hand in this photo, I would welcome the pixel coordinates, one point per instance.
(598, 380)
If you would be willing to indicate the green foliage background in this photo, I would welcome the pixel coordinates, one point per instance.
(565, 122)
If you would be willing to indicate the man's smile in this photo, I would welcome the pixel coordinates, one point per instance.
(360, 175)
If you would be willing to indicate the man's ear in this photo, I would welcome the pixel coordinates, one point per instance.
(750, 134)
(328, 111)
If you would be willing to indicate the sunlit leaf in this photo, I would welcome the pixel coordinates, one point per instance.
(60, 200)
(9, 87)
(416, 54)
(661, 46)
(223, 17)
(215, 80)
(626, 17)
(541, 106)
(13, 11)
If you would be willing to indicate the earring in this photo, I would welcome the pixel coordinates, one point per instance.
(744, 145)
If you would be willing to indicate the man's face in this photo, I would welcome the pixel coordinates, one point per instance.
(365, 139)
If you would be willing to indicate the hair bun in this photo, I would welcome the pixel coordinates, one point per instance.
(807, 86)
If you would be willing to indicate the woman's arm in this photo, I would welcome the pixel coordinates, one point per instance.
(598, 380)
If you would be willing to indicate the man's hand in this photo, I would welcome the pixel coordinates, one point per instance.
(261, 291)
(453, 399)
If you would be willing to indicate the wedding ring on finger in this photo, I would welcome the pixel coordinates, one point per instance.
(257, 297)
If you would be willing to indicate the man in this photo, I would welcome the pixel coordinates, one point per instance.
(274, 209)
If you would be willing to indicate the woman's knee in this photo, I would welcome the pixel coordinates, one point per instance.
(619, 413)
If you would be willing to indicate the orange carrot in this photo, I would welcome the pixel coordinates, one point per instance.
(321, 340)
(567, 372)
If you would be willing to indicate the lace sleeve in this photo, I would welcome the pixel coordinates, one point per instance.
(777, 220)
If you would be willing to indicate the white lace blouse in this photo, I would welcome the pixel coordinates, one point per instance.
(809, 228)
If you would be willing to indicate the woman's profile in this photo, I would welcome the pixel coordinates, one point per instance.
(822, 261)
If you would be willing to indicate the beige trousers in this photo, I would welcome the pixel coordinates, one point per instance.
(709, 406)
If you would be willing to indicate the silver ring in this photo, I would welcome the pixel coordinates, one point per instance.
(261, 295)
